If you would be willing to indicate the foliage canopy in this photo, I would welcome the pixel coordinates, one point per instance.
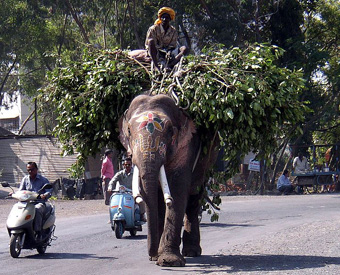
(38, 36)
(239, 95)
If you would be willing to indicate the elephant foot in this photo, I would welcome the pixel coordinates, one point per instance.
(192, 251)
(168, 259)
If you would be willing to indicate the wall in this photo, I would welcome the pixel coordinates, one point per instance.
(16, 151)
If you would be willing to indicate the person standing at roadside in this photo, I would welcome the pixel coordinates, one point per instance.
(107, 173)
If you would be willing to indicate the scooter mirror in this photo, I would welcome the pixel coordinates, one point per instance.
(5, 184)
(46, 186)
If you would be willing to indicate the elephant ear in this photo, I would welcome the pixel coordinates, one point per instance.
(123, 132)
(187, 129)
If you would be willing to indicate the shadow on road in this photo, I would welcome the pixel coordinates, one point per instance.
(243, 263)
(222, 225)
(80, 256)
(137, 237)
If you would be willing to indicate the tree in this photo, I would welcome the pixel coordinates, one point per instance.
(314, 48)
(240, 97)
(320, 54)
(39, 36)
(24, 40)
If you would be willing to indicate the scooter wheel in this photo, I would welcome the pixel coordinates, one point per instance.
(119, 230)
(14, 245)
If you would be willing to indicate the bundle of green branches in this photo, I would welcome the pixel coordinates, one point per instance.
(89, 97)
(240, 96)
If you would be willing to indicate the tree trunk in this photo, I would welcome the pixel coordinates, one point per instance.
(133, 20)
(80, 25)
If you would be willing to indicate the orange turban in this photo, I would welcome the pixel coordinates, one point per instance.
(163, 10)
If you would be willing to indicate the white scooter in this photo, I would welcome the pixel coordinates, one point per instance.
(20, 222)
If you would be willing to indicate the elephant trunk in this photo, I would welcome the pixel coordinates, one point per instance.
(150, 179)
(150, 191)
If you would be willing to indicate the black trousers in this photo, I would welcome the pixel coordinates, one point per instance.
(286, 189)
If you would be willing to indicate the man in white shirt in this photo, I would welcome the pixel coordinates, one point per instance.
(300, 164)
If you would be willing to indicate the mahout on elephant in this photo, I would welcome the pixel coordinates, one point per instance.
(169, 174)
(162, 47)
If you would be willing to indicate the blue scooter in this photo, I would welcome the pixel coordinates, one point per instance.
(124, 213)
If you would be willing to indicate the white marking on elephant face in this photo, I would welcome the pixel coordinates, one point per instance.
(148, 146)
(135, 144)
(162, 150)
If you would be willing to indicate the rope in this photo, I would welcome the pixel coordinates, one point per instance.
(198, 154)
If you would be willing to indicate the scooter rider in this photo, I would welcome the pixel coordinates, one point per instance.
(124, 177)
(34, 182)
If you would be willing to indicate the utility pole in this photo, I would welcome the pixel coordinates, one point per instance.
(35, 116)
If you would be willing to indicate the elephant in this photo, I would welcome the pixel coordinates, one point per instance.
(169, 170)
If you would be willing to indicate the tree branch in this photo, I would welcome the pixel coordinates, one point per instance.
(5, 79)
(25, 122)
(204, 5)
(133, 24)
(316, 117)
(329, 128)
(80, 25)
(63, 35)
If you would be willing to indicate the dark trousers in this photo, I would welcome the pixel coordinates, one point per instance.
(286, 189)
(39, 214)
(107, 194)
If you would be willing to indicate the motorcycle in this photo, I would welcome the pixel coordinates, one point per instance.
(20, 222)
(124, 213)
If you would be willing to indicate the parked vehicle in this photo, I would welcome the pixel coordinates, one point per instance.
(124, 213)
(20, 222)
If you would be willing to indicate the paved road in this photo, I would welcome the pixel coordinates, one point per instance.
(254, 235)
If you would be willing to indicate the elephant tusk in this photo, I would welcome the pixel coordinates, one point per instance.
(135, 185)
(165, 187)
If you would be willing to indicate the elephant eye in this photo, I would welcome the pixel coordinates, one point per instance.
(171, 131)
(129, 131)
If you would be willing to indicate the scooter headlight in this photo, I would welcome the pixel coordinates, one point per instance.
(25, 197)
(22, 195)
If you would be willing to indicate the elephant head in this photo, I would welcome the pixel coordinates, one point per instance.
(161, 139)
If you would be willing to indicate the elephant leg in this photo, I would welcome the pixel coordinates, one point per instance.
(161, 218)
(169, 252)
(191, 233)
